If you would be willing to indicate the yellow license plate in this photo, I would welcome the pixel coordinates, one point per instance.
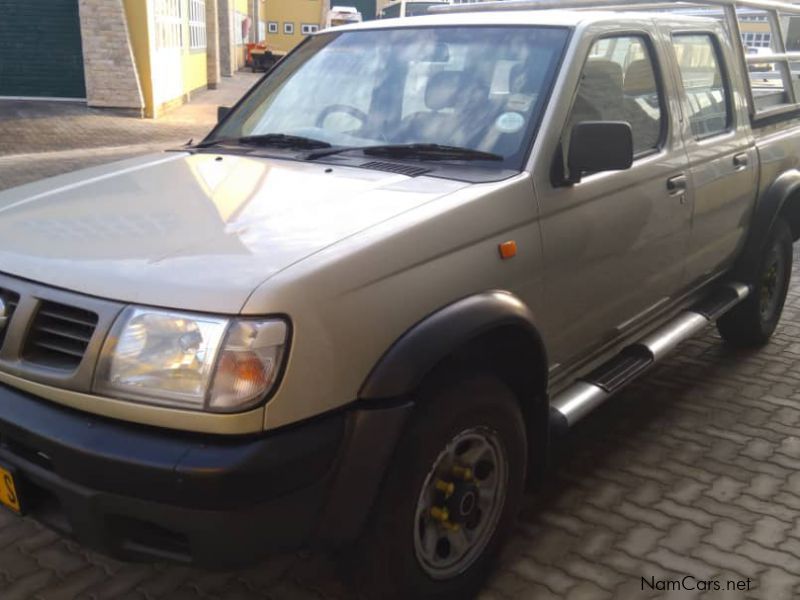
(8, 491)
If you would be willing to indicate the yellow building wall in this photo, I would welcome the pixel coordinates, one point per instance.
(194, 70)
(298, 12)
(754, 27)
(194, 62)
(136, 15)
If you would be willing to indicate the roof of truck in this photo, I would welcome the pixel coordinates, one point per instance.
(564, 18)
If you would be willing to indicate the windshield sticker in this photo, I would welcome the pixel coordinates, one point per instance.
(510, 122)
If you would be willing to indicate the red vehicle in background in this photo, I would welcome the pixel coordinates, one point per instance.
(262, 57)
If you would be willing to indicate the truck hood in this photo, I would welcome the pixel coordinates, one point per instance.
(197, 232)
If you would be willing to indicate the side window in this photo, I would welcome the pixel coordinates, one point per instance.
(619, 84)
(704, 84)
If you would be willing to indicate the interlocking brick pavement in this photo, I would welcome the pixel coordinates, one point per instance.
(693, 470)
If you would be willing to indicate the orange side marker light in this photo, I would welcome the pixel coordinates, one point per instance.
(508, 249)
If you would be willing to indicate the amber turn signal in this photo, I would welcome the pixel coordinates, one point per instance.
(508, 249)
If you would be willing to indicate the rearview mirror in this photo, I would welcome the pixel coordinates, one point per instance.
(596, 146)
(222, 112)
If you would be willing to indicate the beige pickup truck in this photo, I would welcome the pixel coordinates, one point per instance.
(418, 250)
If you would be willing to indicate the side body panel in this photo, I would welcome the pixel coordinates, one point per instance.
(778, 147)
(351, 302)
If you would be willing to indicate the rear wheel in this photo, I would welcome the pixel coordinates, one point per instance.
(451, 494)
(753, 322)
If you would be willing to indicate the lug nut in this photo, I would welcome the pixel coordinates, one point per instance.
(445, 487)
(464, 473)
(440, 514)
(454, 527)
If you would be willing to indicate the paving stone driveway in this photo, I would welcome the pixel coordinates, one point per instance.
(693, 471)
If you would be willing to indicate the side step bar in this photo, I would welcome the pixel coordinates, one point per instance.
(590, 391)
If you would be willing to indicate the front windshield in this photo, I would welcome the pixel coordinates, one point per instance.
(481, 88)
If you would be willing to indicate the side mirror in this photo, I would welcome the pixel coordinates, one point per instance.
(596, 146)
(222, 112)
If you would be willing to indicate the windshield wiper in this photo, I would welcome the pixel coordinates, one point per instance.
(422, 151)
(276, 140)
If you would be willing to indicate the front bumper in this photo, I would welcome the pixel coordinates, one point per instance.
(143, 493)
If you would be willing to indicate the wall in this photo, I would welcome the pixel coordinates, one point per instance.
(185, 72)
(297, 12)
(111, 77)
(136, 14)
(194, 62)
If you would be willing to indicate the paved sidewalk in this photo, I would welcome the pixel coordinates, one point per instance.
(694, 470)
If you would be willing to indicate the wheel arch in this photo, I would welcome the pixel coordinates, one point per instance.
(495, 331)
(782, 199)
(463, 329)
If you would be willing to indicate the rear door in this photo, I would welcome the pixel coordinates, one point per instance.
(721, 151)
(614, 243)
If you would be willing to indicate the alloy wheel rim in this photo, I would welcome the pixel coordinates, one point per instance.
(460, 503)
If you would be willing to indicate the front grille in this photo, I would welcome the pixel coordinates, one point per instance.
(59, 335)
(10, 299)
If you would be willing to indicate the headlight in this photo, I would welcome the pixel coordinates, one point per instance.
(191, 361)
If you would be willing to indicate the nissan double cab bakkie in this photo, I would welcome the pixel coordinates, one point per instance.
(414, 253)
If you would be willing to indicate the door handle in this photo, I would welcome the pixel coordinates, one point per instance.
(740, 161)
(677, 184)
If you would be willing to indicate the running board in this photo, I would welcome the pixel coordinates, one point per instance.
(590, 391)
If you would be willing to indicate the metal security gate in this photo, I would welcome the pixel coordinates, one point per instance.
(169, 44)
(40, 49)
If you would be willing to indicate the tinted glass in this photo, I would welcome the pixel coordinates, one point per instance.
(619, 84)
(704, 84)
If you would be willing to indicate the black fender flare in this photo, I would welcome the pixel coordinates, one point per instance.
(385, 404)
(405, 364)
(769, 206)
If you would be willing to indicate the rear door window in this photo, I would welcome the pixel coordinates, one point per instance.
(703, 83)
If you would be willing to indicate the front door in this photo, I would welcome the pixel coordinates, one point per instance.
(614, 243)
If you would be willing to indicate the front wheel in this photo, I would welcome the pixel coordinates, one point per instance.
(451, 495)
(753, 322)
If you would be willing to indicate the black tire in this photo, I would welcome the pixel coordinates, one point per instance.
(386, 560)
(752, 323)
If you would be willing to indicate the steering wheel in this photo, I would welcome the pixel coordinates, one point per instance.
(341, 108)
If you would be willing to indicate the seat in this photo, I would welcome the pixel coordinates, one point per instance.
(527, 77)
(640, 85)
(453, 99)
(600, 95)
